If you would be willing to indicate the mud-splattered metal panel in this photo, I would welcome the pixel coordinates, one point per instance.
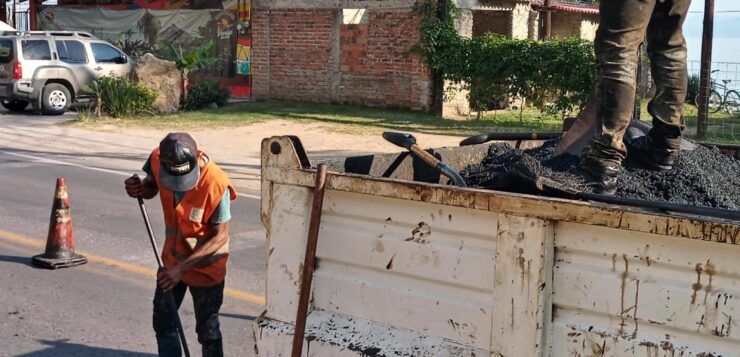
(411, 265)
(621, 293)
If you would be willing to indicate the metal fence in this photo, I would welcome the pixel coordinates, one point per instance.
(720, 71)
(724, 101)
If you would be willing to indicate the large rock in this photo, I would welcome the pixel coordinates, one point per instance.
(163, 77)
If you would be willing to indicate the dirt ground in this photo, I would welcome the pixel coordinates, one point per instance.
(238, 149)
(317, 138)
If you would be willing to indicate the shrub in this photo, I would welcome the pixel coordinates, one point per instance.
(84, 113)
(556, 76)
(202, 94)
(120, 97)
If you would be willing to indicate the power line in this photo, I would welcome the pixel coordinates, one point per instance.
(716, 12)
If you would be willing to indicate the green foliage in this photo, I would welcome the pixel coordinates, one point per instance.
(84, 113)
(204, 93)
(134, 48)
(119, 97)
(555, 76)
(693, 88)
(193, 60)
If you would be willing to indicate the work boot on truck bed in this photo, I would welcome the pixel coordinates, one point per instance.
(601, 175)
(649, 153)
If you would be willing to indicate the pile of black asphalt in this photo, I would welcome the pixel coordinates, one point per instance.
(701, 177)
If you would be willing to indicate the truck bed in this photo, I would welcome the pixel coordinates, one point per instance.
(485, 272)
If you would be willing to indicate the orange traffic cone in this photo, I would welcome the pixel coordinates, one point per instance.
(60, 244)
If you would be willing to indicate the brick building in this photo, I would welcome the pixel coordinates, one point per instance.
(361, 51)
(358, 53)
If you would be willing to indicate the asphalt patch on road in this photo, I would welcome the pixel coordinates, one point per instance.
(702, 177)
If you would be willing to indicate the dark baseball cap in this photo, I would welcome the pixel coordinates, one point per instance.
(178, 162)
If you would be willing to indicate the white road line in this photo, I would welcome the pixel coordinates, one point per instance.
(91, 168)
(67, 163)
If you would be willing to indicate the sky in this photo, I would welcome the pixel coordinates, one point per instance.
(726, 30)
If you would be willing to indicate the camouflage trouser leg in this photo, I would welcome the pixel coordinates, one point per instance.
(624, 25)
(206, 303)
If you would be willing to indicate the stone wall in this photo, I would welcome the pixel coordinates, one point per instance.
(569, 24)
(309, 53)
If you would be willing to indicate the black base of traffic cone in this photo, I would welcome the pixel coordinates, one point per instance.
(51, 263)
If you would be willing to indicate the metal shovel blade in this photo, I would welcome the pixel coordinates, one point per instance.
(579, 134)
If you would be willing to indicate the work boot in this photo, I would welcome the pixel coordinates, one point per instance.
(601, 175)
(650, 156)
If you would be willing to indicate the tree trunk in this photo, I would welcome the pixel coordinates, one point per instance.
(521, 110)
(184, 75)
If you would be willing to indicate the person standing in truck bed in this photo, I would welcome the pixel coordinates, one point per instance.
(624, 25)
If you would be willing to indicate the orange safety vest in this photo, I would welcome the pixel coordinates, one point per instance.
(187, 226)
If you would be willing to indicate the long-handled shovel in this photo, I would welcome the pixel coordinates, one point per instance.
(408, 142)
(167, 295)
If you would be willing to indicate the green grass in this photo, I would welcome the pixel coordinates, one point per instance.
(344, 118)
(723, 128)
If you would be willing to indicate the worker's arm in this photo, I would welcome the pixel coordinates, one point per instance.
(170, 277)
(136, 188)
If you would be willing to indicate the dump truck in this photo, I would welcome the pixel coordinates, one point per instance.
(408, 265)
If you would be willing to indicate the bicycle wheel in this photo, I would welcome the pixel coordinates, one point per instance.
(714, 104)
(732, 102)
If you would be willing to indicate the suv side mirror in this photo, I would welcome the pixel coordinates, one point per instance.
(123, 59)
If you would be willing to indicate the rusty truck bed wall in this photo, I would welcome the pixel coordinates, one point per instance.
(489, 273)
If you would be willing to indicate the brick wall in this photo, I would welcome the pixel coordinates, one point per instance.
(378, 66)
(310, 55)
(299, 45)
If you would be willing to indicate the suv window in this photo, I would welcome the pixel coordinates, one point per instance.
(71, 51)
(36, 50)
(105, 53)
(6, 50)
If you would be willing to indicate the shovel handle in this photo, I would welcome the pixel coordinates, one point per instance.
(149, 230)
(408, 141)
(424, 155)
(170, 299)
(443, 168)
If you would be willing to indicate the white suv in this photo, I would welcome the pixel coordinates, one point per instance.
(50, 69)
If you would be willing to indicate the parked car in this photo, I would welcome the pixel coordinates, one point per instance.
(50, 69)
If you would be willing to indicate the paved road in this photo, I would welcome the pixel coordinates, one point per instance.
(104, 307)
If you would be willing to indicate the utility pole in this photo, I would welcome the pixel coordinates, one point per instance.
(706, 70)
(3, 11)
(32, 8)
(16, 13)
(548, 20)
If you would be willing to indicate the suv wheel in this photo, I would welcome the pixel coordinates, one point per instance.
(56, 99)
(14, 105)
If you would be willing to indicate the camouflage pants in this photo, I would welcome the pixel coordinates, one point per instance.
(206, 303)
(624, 25)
